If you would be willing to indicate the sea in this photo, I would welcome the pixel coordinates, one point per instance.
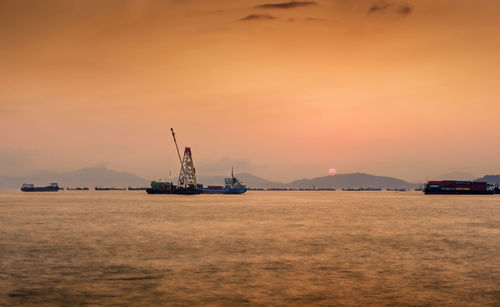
(262, 248)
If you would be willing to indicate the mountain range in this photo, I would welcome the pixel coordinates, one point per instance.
(90, 177)
(354, 180)
(491, 179)
(100, 176)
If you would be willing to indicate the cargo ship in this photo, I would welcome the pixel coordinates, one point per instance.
(109, 189)
(137, 188)
(27, 187)
(458, 187)
(232, 186)
(187, 178)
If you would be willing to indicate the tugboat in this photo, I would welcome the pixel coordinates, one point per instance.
(27, 187)
(233, 186)
(187, 177)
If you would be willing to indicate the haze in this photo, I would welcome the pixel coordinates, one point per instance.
(284, 91)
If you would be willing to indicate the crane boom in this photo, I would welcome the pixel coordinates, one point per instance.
(176, 147)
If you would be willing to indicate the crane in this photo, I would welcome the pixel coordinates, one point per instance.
(187, 175)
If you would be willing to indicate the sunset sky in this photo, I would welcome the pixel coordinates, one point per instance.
(284, 90)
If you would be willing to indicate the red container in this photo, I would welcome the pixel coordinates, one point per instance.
(478, 186)
(435, 182)
(215, 187)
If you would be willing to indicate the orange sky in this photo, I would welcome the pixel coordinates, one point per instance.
(404, 89)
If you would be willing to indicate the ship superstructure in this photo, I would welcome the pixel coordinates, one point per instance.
(232, 186)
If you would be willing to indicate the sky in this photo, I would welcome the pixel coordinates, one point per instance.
(284, 90)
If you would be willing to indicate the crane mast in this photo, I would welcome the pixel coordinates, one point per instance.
(187, 175)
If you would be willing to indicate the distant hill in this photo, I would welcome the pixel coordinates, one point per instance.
(456, 176)
(89, 177)
(101, 176)
(355, 180)
(250, 180)
(491, 179)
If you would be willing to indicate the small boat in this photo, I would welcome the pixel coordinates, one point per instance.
(27, 187)
(361, 189)
(232, 186)
(109, 189)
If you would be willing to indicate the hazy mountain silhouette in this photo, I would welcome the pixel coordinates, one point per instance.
(90, 177)
(356, 180)
(491, 179)
(337, 181)
(247, 178)
(100, 176)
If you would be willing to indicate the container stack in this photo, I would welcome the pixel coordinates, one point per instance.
(463, 185)
(458, 187)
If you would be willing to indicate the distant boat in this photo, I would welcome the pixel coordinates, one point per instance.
(397, 190)
(27, 187)
(232, 186)
(137, 188)
(78, 189)
(109, 189)
(362, 189)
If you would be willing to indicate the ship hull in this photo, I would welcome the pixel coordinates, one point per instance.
(174, 191)
(40, 189)
(224, 191)
(458, 192)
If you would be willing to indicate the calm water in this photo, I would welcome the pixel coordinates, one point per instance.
(261, 248)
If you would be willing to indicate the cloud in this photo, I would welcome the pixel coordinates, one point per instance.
(257, 17)
(286, 5)
(313, 19)
(403, 9)
(378, 7)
